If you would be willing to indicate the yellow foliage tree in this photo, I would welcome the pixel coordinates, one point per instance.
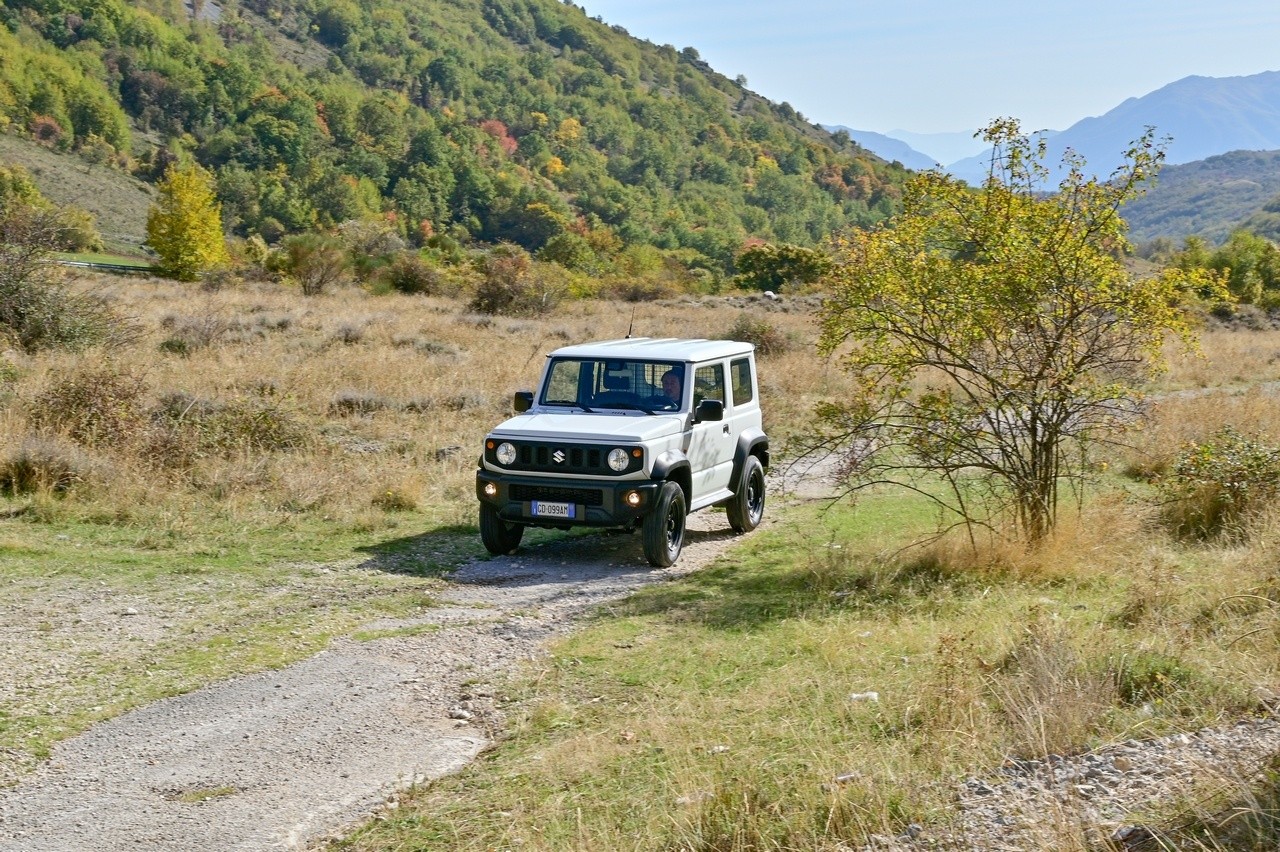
(184, 226)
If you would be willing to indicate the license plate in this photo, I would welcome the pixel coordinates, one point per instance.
(542, 509)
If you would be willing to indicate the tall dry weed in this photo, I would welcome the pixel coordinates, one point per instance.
(1049, 696)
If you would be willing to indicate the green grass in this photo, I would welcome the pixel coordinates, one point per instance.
(717, 712)
(133, 261)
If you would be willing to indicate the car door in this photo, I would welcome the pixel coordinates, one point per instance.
(712, 444)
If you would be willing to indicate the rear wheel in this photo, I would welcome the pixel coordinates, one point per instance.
(664, 527)
(499, 536)
(746, 509)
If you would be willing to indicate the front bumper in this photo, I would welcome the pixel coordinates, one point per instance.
(595, 502)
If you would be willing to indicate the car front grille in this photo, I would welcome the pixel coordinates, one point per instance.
(551, 494)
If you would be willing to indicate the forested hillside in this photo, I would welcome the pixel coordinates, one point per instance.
(491, 120)
(1208, 198)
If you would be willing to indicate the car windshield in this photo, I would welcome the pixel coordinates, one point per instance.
(590, 384)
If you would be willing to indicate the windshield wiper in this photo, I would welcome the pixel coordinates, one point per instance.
(633, 407)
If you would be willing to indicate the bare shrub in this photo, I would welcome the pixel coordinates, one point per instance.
(42, 463)
(348, 333)
(513, 285)
(191, 333)
(37, 311)
(358, 402)
(764, 335)
(99, 405)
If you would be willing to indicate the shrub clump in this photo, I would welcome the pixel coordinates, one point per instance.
(42, 464)
(761, 333)
(514, 286)
(410, 273)
(96, 406)
(187, 428)
(1217, 486)
(348, 402)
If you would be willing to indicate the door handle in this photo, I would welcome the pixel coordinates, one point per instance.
(726, 428)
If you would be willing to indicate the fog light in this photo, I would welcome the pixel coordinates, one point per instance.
(631, 498)
(491, 489)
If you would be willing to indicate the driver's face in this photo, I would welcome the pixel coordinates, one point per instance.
(671, 386)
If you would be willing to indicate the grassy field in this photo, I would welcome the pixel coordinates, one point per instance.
(733, 710)
(105, 258)
(259, 472)
(118, 202)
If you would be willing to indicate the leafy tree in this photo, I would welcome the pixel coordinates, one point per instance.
(995, 335)
(770, 267)
(184, 226)
(1250, 264)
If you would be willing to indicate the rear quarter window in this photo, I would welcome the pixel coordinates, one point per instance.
(740, 376)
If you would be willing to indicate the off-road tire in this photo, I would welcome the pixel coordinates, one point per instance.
(664, 527)
(746, 509)
(499, 536)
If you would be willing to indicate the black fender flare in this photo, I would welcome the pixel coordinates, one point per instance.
(674, 465)
(752, 442)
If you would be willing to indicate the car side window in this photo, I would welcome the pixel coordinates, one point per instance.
(740, 375)
(708, 383)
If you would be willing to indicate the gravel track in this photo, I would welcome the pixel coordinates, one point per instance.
(282, 759)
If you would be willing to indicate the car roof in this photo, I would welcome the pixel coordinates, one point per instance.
(656, 348)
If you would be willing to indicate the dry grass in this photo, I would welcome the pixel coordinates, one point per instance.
(262, 401)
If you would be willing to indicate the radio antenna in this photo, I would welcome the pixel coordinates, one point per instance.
(631, 324)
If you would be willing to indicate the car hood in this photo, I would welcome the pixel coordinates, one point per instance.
(587, 428)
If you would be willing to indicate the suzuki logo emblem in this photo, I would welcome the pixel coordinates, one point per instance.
(558, 457)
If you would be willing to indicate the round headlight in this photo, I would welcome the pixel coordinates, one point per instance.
(505, 453)
(618, 459)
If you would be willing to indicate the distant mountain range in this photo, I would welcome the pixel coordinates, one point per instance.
(1222, 167)
(1203, 116)
(887, 147)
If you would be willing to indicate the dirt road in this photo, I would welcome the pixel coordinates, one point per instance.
(279, 760)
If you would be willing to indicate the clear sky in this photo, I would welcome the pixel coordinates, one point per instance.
(930, 66)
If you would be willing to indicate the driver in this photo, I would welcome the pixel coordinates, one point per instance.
(672, 386)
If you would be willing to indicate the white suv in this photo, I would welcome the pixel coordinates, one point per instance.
(629, 434)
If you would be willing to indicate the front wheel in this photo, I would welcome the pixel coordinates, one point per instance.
(664, 527)
(746, 509)
(499, 537)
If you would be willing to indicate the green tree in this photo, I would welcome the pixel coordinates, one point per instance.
(995, 335)
(184, 226)
(769, 267)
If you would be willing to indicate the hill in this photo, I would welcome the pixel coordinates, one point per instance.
(1204, 116)
(492, 120)
(1208, 198)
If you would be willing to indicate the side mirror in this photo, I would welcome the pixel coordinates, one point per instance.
(709, 411)
(523, 401)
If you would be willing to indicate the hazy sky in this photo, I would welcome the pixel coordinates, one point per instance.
(932, 66)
